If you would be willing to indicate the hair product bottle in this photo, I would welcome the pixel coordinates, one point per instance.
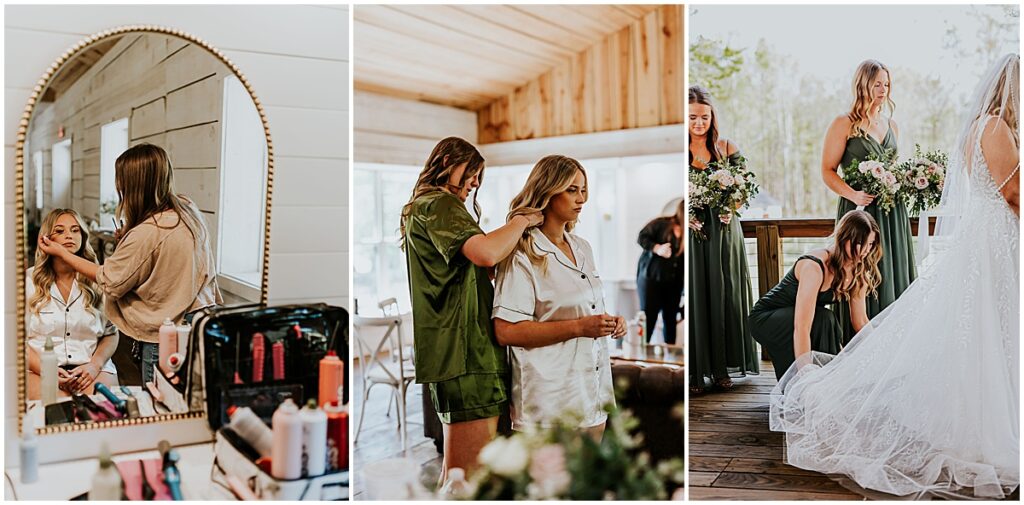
(286, 456)
(251, 428)
(332, 377)
(168, 343)
(48, 373)
(314, 439)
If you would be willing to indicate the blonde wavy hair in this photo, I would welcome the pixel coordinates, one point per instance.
(550, 176)
(44, 275)
(854, 229)
(862, 79)
(447, 155)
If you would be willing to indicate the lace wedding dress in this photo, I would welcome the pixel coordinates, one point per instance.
(925, 399)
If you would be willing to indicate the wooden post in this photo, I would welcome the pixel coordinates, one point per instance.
(769, 262)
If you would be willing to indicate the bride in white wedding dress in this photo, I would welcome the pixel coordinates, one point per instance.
(925, 399)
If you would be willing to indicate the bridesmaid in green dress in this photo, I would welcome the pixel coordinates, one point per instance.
(792, 319)
(719, 285)
(851, 138)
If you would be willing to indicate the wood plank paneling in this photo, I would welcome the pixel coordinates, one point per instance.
(510, 45)
(631, 78)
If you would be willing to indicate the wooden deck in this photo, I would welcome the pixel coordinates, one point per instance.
(734, 456)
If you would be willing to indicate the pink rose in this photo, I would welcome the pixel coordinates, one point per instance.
(547, 469)
(921, 183)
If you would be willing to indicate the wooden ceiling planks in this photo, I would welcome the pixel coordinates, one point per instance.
(632, 78)
(468, 56)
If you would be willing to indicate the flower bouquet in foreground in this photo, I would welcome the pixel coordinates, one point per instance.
(879, 176)
(923, 176)
(724, 187)
(562, 463)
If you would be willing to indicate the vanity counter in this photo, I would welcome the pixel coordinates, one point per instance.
(66, 480)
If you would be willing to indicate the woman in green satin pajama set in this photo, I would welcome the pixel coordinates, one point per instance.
(448, 257)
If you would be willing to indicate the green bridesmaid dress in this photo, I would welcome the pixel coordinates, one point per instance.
(897, 264)
(772, 320)
(719, 301)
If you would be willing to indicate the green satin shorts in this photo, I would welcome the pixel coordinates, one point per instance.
(470, 397)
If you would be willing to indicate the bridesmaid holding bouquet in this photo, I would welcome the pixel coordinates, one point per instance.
(719, 285)
(864, 133)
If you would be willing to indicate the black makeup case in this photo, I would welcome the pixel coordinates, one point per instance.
(257, 356)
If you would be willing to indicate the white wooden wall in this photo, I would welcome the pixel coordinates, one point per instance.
(403, 132)
(295, 57)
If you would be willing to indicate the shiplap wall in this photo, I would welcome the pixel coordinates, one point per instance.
(295, 57)
(170, 90)
(633, 78)
(403, 132)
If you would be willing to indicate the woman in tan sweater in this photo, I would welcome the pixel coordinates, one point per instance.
(163, 266)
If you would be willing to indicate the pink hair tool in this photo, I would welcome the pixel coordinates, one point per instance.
(258, 355)
(277, 351)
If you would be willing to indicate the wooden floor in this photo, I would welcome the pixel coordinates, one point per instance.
(380, 436)
(734, 456)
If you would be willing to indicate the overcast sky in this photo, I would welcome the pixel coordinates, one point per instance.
(820, 39)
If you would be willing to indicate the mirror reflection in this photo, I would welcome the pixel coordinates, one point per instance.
(132, 152)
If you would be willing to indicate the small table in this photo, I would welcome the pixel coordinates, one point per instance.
(660, 354)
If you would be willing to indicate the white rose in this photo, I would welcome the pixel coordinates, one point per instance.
(507, 457)
(739, 180)
(921, 183)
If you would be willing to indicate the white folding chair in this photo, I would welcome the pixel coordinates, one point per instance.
(393, 370)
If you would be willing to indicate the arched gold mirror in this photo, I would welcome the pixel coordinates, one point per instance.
(111, 91)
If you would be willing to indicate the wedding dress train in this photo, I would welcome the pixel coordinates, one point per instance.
(925, 399)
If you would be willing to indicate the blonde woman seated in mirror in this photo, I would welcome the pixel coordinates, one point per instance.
(65, 306)
(549, 308)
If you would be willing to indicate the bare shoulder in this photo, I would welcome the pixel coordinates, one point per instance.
(728, 147)
(895, 127)
(842, 122)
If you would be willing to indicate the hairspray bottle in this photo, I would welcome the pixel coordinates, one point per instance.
(286, 455)
(314, 439)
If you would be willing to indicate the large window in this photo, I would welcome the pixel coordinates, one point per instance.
(60, 175)
(243, 184)
(113, 142)
(378, 265)
(37, 171)
(625, 194)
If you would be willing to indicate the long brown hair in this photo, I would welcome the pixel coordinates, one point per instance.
(862, 79)
(145, 184)
(551, 175)
(854, 229)
(701, 96)
(44, 275)
(448, 154)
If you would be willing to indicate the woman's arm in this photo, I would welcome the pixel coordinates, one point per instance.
(832, 155)
(809, 277)
(1002, 156)
(859, 311)
(650, 235)
(85, 375)
(537, 334)
(487, 250)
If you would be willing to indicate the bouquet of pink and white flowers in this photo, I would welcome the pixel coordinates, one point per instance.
(562, 463)
(723, 187)
(877, 175)
(923, 176)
